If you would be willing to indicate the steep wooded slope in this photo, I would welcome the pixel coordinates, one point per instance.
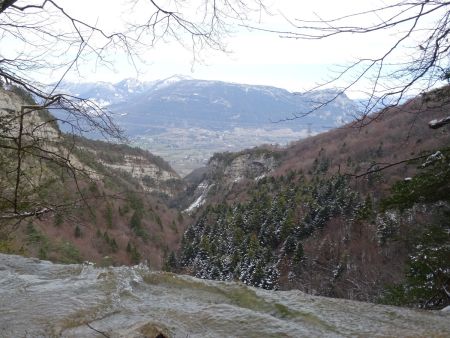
(79, 199)
(311, 224)
(395, 135)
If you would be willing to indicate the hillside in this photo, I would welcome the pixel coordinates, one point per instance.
(298, 217)
(80, 199)
(397, 135)
(153, 173)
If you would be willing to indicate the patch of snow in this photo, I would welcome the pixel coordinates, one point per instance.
(197, 203)
(201, 199)
(170, 81)
(437, 156)
(173, 98)
(260, 177)
(435, 124)
(101, 102)
(203, 185)
(222, 102)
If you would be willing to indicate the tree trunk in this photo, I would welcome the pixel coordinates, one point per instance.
(4, 4)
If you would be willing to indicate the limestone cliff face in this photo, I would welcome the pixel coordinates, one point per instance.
(36, 124)
(39, 130)
(152, 177)
(39, 134)
(245, 166)
(9, 102)
(80, 199)
(228, 169)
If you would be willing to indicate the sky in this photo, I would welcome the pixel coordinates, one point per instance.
(252, 57)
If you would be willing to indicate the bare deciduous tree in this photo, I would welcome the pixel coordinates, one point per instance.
(44, 37)
(417, 60)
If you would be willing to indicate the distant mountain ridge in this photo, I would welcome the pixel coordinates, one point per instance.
(185, 101)
(108, 93)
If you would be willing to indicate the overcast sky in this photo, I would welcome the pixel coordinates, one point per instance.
(254, 57)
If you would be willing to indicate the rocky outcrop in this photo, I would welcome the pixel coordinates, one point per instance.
(227, 169)
(37, 124)
(248, 166)
(151, 177)
(85, 301)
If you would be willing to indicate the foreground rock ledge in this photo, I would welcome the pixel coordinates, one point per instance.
(41, 299)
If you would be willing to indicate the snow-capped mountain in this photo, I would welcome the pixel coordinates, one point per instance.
(107, 94)
(160, 84)
(180, 100)
(223, 105)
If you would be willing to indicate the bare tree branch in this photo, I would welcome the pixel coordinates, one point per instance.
(49, 38)
(421, 29)
(5, 4)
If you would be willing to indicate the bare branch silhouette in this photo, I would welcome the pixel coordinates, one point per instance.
(416, 61)
(48, 38)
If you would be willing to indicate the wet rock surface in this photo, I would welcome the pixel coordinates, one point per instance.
(41, 299)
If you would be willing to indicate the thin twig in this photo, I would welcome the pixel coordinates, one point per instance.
(98, 331)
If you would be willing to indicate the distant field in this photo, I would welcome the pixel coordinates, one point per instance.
(189, 148)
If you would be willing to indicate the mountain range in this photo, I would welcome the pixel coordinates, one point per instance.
(186, 121)
(184, 101)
